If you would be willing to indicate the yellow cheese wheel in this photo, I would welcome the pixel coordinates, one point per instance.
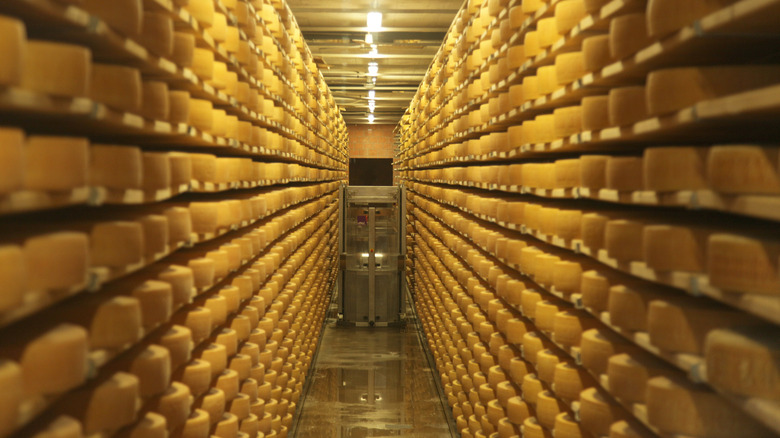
(595, 113)
(56, 163)
(569, 325)
(12, 157)
(674, 89)
(178, 341)
(624, 173)
(157, 35)
(567, 277)
(126, 16)
(152, 367)
(156, 105)
(596, 53)
(547, 79)
(547, 408)
(63, 427)
(202, 115)
(56, 261)
(566, 426)
(152, 425)
(12, 276)
(742, 361)
(567, 172)
(116, 244)
(115, 167)
(570, 380)
(675, 168)
(627, 35)
(532, 429)
(117, 86)
(197, 376)
(593, 171)
(743, 264)
(56, 361)
(623, 239)
(175, 405)
(625, 429)
(531, 44)
(676, 406)
(595, 290)
(593, 6)
(156, 171)
(627, 105)
(567, 122)
(112, 405)
(179, 102)
(667, 16)
(629, 373)
(12, 45)
(568, 14)
(569, 67)
(546, 361)
(743, 169)
(547, 29)
(674, 248)
(598, 411)
(196, 425)
(202, 11)
(183, 49)
(531, 388)
(116, 323)
(682, 324)
(56, 68)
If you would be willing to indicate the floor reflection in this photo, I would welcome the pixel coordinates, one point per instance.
(372, 383)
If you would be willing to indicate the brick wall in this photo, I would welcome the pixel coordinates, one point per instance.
(371, 141)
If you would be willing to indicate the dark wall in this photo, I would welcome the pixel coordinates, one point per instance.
(371, 171)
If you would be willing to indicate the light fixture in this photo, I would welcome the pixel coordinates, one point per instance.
(370, 118)
(372, 94)
(371, 106)
(369, 38)
(373, 51)
(374, 21)
(373, 69)
(373, 79)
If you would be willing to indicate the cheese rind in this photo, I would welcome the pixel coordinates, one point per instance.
(56, 163)
(744, 361)
(57, 68)
(56, 361)
(12, 45)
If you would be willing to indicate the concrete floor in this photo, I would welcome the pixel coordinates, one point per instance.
(371, 382)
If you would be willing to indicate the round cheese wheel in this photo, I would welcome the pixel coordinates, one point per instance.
(44, 359)
(117, 86)
(532, 429)
(153, 425)
(227, 382)
(546, 361)
(593, 170)
(730, 352)
(627, 105)
(12, 277)
(675, 168)
(56, 261)
(113, 404)
(183, 49)
(157, 35)
(568, 14)
(743, 169)
(12, 157)
(547, 80)
(11, 399)
(547, 408)
(676, 406)
(567, 427)
(568, 326)
(13, 47)
(155, 100)
(156, 301)
(116, 323)
(625, 429)
(628, 34)
(56, 163)
(116, 244)
(178, 341)
(115, 167)
(197, 376)
(629, 372)
(126, 16)
(56, 68)
(531, 387)
(203, 11)
(598, 411)
(569, 380)
(597, 55)
(742, 264)
(152, 367)
(569, 67)
(674, 248)
(623, 239)
(665, 16)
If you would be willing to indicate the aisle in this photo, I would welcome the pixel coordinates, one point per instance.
(371, 382)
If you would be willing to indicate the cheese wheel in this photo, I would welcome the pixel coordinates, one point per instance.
(546, 361)
(115, 167)
(153, 425)
(547, 80)
(202, 11)
(12, 45)
(532, 429)
(624, 173)
(183, 49)
(674, 89)
(156, 171)
(533, 343)
(628, 307)
(116, 323)
(627, 105)
(152, 367)
(567, 122)
(197, 376)
(126, 16)
(743, 169)
(547, 29)
(546, 312)
(12, 277)
(12, 158)
(623, 239)
(596, 53)
(569, 67)
(567, 277)
(56, 163)
(157, 35)
(197, 424)
(598, 411)
(570, 324)
(744, 361)
(156, 301)
(203, 64)
(625, 429)
(175, 405)
(566, 426)
(531, 44)
(593, 6)
(112, 405)
(56, 361)
(179, 102)
(547, 408)
(156, 105)
(743, 264)
(675, 168)
(12, 395)
(227, 382)
(568, 14)
(627, 35)
(569, 380)
(681, 325)
(117, 86)
(595, 113)
(675, 406)
(63, 427)
(674, 248)
(56, 261)
(667, 16)
(629, 373)
(178, 341)
(202, 115)
(116, 244)
(593, 171)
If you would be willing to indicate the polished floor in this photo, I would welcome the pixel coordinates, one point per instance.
(371, 382)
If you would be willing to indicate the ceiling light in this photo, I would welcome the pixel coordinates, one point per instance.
(374, 21)
(373, 79)
(373, 69)
(373, 51)
(370, 118)
(369, 38)
(371, 94)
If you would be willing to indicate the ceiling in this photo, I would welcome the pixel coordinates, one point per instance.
(412, 32)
